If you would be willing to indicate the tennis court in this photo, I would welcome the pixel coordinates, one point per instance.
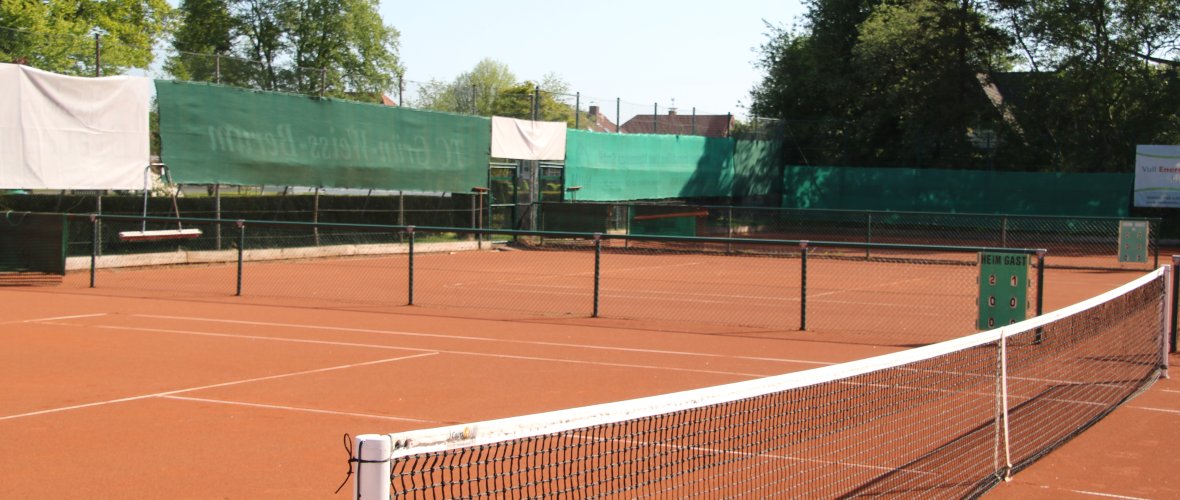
(170, 389)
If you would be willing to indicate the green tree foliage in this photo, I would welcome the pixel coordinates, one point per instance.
(911, 55)
(967, 84)
(490, 88)
(474, 92)
(521, 100)
(340, 48)
(58, 35)
(206, 27)
(1101, 80)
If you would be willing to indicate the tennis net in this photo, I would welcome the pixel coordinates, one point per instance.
(948, 420)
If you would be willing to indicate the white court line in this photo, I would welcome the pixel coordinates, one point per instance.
(546, 277)
(211, 386)
(56, 318)
(1105, 495)
(431, 351)
(683, 297)
(1161, 410)
(304, 410)
(483, 339)
(865, 288)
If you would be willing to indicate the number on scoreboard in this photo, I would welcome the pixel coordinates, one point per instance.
(1003, 289)
(1133, 236)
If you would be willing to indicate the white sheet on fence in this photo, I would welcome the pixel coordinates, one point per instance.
(527, 140)
(69, 132)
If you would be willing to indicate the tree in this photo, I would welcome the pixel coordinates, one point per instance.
(356, 51)
(261, 37)
(58, 35)
(894, 83)
(917, 64)
(205, 35)
(474, 92)
(521, 100)
(1104, 82)
(339, 48)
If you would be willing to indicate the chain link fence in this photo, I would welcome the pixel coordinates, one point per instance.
(1074, 242)
(902, 295)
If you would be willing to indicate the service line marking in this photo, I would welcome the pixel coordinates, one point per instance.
(484, 339)
(55, 318)
(429, 351)
(304, 410)
(212, 386)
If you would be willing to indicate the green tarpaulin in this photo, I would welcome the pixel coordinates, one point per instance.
(612, 167)
(963, 191)
(215, 134)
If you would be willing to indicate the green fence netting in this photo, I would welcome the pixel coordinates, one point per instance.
(33, 242)
(215, 134)
(757, 168)
(969, 191)
(641, 166)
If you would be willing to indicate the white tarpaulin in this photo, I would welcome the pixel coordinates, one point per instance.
(527, 140)
(1157, 176)
(68, 132)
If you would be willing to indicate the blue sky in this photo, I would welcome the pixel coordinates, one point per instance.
(645, 52)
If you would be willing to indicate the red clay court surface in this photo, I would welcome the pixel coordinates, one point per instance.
(113, 395)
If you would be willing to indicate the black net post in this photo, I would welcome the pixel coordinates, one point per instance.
(241, 251)
(1004, 231)
(868, 234)
(803, 286)
(1040, 289)
(1175, 305)
(1041, 280)
(1153, 241)
(93, 246)
(410, 237)
(597, 268)
(729, 229)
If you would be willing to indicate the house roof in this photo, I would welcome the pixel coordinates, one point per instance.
(672, 123)
(599, 122)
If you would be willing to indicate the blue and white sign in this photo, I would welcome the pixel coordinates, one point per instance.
(1157, 176)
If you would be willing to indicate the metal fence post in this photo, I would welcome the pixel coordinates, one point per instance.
(410, 236)
(93, 246)
(597, 269)
(98, 227)
(241, 251)
(803, 286)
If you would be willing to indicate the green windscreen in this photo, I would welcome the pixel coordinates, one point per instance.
(663, 221)
(757, 167)
(963, 191)
(215, 134)
(611, 167)
(33, 242)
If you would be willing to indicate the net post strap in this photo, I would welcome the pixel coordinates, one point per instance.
(373, 467)
(1004, 410)
(1167, 317)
